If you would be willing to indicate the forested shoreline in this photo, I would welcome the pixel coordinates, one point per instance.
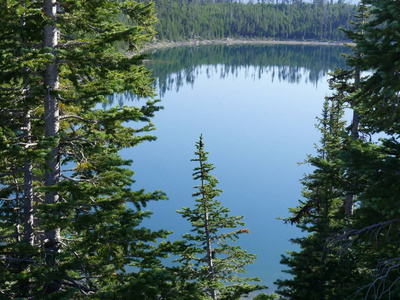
(157, 45)
(180, 20)
(181, 61)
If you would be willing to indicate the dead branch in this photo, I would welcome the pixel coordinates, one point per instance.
(17, 259)
(82, 288)
(379, 287)
(346, 239)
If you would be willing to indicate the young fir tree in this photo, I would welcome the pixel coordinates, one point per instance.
(210, 257)
(317, 272)
(70, 223)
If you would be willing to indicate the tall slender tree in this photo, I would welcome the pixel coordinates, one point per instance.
(210, 258)
(70, 222)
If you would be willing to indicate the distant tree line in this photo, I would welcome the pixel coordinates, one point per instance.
(178, 66)
(295, 19)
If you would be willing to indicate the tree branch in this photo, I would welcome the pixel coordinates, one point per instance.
(18, 259)
(77, 117)
(379, 284)
(67, 44)
(9, 236)
(345, 241)
(82, 288)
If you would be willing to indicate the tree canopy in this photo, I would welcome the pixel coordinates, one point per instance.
(210, 257)
(359, 166)
(70, 220)
(281, 20)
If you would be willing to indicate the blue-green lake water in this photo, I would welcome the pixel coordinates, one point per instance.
(256, 108)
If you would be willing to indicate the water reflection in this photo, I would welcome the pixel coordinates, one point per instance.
(177, 67)
(295, 64)
(256, 107)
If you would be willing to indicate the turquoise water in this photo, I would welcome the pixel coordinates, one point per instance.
(257, 119)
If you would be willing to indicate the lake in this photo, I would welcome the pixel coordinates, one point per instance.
(256, 108)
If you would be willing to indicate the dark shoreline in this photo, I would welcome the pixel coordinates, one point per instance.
(170, 44)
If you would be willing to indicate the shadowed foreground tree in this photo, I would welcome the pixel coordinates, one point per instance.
(317, 272)
(70, 223)
(367, 166)
(375, 165)
(210, 257)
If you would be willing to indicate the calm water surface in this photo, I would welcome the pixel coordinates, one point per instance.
(256, 108)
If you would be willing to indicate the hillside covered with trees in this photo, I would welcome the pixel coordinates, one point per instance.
(282, 20)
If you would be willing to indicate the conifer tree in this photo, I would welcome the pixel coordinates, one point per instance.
(374, 165)
(70, 223)
(317, 272)
(210, 257)
(369, 169)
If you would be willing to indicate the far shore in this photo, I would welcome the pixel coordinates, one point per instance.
(228, 41)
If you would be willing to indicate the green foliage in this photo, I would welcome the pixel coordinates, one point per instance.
(317, 272)
(102, 252)
(209, 257)
(264, 296)
(181, 20)
(364, 245)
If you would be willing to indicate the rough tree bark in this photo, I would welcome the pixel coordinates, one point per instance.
(51, 114)
(28, 189)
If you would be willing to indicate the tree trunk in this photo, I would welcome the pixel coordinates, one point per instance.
(28, 233)
(28, 189)
(213, 292)
(356, 119)
(348, 206)
(51, 115)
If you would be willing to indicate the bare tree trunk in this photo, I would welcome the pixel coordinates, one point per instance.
(28, 189)
(51, 110)
(51, 115)
(28, 234)
(28, 209)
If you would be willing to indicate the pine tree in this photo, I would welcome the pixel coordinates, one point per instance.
(70, 223)
(209, 257)
(379, 52)
(317, 272)
(374, 165)
(366, 170)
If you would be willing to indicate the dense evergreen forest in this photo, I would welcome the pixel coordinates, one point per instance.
(282, 20)
(70, 212)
